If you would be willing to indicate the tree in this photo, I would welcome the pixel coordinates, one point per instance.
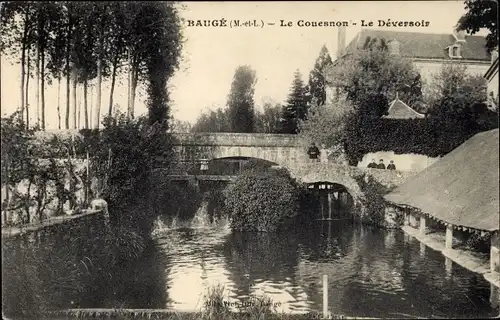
(458, 96)
(296, 106)
(317, 82)
(371, 77)
(240, 100)
(212, 121)
(268, 121)
(161, 28)
(326, 124)
(481, 14)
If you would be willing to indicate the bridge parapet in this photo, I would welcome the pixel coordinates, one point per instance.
(236, 139)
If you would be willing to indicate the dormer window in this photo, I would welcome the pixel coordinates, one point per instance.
(454, 51)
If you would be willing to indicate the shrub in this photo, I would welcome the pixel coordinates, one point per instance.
(374, 201)
(262, 201)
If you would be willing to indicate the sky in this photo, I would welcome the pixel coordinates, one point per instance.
(211, 54)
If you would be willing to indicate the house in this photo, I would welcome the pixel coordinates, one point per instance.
(491, 76)
(428, 51)
(459, 192)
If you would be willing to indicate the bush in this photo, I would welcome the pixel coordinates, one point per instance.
(262, 201)
(374, 201)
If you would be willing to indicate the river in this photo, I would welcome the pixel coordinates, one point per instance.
(371, 272)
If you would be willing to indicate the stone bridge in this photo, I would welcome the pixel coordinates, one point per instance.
(284, 150)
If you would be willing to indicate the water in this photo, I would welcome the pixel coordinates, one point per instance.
(371, 272)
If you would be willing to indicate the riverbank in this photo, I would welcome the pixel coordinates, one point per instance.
(165, 314)
(14, 231)
(461, 257)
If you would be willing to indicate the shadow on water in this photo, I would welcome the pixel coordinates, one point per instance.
(136, 284)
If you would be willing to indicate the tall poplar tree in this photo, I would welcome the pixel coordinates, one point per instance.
(240, 100)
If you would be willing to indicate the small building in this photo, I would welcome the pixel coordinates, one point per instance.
(400, 110)
(459, 192)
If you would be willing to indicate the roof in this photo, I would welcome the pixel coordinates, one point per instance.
(461, 188)
(493, 69)
(400, 110)
(425, 45)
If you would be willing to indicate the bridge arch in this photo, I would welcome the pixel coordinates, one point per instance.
(334, 174)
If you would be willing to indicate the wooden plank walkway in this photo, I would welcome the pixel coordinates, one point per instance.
(14, 231)
(459, 256)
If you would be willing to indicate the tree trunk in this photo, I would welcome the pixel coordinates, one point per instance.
(27, 89)
(42, 83)
(113, 80)
(129, 85)
(68, 73)
(23, 61)
(97, 110)
(37, 94)
(74, 98)
(85, 103)
(91, 105)
(59, 100)
(133, 91)
(68, 78)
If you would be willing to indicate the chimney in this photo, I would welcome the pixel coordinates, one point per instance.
(394, 47)
(459, 35)
(341, 42)
(494, 55)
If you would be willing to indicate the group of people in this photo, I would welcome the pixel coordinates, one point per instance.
(381, 165)
(314, 156)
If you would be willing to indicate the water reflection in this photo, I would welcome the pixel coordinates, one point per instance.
(371, 272)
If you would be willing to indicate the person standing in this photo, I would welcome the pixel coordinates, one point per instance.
(372, 165)
(381, 164)
(313, 153)
(391, 166)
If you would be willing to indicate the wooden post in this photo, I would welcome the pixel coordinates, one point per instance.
(448, 263)
(325, 296)
(449, 237)
(423, 221)
(321, 200)
(495, 252)
(329, 206)
(422, 249)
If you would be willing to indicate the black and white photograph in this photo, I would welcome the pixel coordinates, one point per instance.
(264, 160)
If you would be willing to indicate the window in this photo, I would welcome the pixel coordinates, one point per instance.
(454, 51)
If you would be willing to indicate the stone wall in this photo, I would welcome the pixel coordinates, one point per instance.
(403, 162)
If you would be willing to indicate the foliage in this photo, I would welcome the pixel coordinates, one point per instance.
(268, 121)
(317, 82)
(96, 40)
(373, 201)
(370, 77)
(33, 183)
(296, 106)
(325, 125)
(481, 14)
(125, 153)
(455, 93)
(212, 121)
(262, 200)
(240, 100)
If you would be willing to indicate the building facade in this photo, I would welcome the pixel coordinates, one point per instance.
(428, 51)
